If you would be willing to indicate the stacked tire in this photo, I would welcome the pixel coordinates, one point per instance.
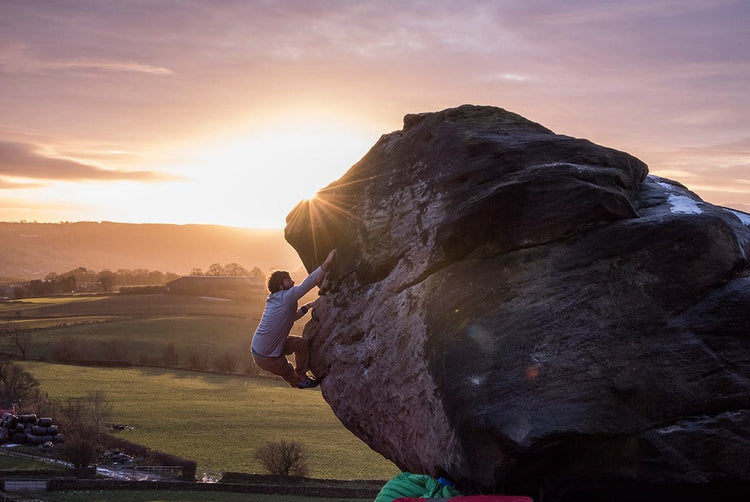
(29, 429)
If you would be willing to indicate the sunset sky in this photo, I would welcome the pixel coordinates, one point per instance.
(230, 111)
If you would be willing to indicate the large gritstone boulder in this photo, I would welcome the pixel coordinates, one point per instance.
(526, 312)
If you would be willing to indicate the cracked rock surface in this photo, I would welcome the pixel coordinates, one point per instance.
(520, 310)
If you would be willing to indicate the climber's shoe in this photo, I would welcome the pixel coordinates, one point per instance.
(308, 383)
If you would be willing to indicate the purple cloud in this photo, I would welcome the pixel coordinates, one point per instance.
(24, 160)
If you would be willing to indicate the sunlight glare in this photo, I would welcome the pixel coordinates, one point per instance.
(255, 178)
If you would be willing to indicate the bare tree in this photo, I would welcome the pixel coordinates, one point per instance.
(71, 348)
(227, 361)
(116, 350)
(283, 458)
(82, 420)
(21, 338)
(197, 360)
(86, 415)
(99, 409)
(170, 357)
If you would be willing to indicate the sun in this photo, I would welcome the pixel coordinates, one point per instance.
(254, 177)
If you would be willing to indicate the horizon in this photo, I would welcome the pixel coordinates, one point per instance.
(101, 222)
(237, 112)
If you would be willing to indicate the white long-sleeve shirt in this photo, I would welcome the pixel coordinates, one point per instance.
(279, 316)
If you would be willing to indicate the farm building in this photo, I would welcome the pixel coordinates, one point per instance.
(218, 286)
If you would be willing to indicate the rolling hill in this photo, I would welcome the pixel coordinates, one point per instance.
(33, 250)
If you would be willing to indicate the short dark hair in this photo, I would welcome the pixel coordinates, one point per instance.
(277, 280)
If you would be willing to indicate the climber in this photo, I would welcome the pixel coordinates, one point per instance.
(271, 341)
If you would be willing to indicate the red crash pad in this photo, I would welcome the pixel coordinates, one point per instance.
(472, 498)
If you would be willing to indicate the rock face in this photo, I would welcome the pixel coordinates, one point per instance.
(524, 311)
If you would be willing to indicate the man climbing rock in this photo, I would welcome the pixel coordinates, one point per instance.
(271, 341)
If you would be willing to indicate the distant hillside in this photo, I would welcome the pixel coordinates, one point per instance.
(32, 250)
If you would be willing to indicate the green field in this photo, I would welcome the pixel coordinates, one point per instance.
(217, 420)
(139, 329)
(9, 464)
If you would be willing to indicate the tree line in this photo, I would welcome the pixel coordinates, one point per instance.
(84, 280)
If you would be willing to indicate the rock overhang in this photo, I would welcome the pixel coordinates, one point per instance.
(505, 295)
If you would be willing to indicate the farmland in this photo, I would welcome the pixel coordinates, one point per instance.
(215, 419)
(136, 329)
(219, 420)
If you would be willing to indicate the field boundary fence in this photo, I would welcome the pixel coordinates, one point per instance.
(164, 471)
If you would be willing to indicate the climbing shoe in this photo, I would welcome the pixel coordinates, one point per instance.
(308, 383)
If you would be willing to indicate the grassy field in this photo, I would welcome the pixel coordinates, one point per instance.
(216, 420)
(144, 340)
(219, 421)
(138, 305)
(136, 328)
(8, 463)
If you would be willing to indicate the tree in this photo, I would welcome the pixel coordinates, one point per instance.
(67, 284)
(70, 348)
(171, 276)
(258, 274)
(16, 384)
(106, 279)
(235, 270)
(215, 269)
(197, 360)
(155, 278)
(37, 287)
(21, 338)
(82, 420)
(87, 415)
(99, 409)
(116, 350)
(81, 275)
(283, 458)
(226, 362)
(139, 276)
(79, 450)
(170, 358)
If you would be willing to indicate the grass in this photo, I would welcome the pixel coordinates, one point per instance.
(135, 328)
(145, 339)
(217, 420)
(13, 305)
(170, 496)
(8, 463)
(50, 322)
(137, 305)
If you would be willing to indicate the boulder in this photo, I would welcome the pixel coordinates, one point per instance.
(526, 312)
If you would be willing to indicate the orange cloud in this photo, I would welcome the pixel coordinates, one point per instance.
(9, 185)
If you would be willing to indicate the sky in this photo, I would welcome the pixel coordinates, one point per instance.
(229, 112)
